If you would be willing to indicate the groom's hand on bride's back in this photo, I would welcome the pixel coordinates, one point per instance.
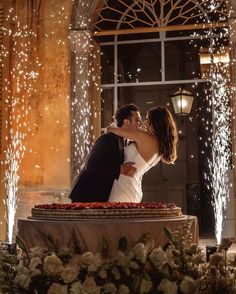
(128, 169)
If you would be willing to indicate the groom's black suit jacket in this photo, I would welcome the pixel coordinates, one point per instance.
(102, 166)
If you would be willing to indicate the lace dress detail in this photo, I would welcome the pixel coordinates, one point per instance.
(129, 189)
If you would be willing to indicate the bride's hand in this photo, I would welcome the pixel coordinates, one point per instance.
(108, 128)
(128, 169)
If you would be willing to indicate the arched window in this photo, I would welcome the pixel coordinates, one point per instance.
(146, 44)
(136, 14)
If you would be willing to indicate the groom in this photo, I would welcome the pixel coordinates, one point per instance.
(104, 163)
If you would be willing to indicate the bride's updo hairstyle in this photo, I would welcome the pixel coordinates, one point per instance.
(164, 127)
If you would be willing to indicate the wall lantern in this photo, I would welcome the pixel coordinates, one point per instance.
(182, 101)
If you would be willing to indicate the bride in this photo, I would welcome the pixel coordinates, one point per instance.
(156, 143)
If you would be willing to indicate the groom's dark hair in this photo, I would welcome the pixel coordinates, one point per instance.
(125, 112)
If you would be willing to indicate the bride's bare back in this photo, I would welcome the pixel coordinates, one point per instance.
(147, 143)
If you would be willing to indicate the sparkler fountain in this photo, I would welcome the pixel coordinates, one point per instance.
(17, 104)
(220, 103)
(14, 155)
(221, 143)
(219, 99)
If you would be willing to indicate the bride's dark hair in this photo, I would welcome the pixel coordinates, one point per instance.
(164, 127)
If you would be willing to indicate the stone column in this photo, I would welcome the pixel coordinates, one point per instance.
(83, 97)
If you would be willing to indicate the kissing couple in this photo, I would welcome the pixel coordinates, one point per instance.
(113, 170)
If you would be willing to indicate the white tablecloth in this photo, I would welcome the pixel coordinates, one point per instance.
(90, 232)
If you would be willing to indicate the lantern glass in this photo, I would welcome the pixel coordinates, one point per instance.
(182, 102)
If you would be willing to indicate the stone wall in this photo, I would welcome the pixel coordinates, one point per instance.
(46, 163)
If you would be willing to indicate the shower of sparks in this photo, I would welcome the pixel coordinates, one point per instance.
(18, 107)
(220, 164)
(86, 77)
(217, 181)
(33, 75)
(14, 155)
(217, 123)
(80, 105)
(221, 143)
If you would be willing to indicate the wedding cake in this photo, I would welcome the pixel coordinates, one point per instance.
(105, 210)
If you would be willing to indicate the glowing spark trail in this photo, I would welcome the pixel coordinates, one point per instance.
(82, 106)
(22, 76)
(14, 155)
(220, 163)
(221, 143)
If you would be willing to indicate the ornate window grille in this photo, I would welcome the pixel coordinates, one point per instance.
(156, 14)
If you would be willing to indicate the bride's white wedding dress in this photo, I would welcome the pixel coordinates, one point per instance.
(129, 189)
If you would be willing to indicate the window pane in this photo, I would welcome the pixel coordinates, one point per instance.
(182, 60)
(107, 61)
(146, 96)
(139, 62)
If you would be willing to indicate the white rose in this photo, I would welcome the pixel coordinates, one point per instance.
(76, 288)
(34, 262)
(134, 265)
(167, 287)
(188, 285)
(23, 278)
(125, 262)
(115, 273)
(158, 257)
(87, 258)
(123, 289)
(90, 286)
(69, 274)
(103, 274)
(139, 251)
(150, 244)
(64, 251)
(110, 288)
(122, 259)
(120, 254)
(145, 286)
(36, 252)
(57, 289)
(25, 274)
(170, 257)
(96, 262)
(52, 265)
(76, 260)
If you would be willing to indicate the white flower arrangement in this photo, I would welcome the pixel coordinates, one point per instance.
(143, 268)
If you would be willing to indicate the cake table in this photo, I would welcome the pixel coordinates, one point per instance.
(90, 232)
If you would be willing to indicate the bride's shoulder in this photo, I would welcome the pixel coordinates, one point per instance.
(144, 134)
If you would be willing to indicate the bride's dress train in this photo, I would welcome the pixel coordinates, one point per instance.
(129, 189)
